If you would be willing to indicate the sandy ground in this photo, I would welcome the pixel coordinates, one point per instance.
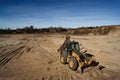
(35, 57)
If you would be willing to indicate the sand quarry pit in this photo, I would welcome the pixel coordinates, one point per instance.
(35, 57)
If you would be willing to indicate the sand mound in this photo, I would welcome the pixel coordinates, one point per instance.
(115, 31)
(103, 30)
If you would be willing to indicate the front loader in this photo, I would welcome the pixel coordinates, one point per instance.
(75, 59)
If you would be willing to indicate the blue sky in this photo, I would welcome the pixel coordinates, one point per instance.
(65, 13)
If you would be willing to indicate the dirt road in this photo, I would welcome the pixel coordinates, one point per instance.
(35, 57)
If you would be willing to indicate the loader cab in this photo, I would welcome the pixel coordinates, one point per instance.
(73, 46)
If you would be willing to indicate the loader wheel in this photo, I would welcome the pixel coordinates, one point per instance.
(73, 64)
(63, 59)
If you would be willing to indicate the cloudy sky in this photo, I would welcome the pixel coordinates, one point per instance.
(65, 13)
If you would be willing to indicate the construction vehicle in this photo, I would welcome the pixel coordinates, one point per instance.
(75, 59)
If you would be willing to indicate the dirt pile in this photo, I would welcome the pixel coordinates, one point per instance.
(103, 30)
(115, 31)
